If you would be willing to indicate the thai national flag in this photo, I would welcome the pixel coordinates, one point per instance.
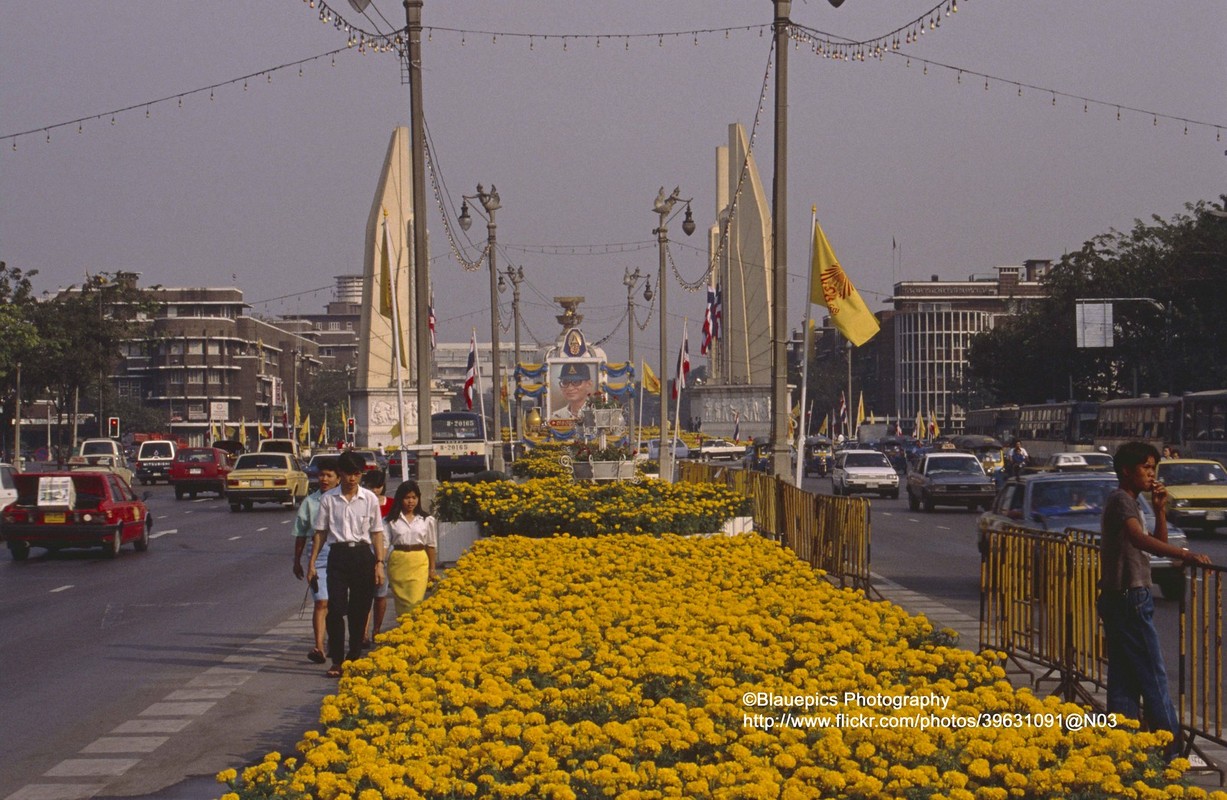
(717, 315)
(683, 363)
(470, 375)
(709, 324)
(430, 320)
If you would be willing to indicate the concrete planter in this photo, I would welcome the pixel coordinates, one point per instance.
(738, 525)
(455, 538)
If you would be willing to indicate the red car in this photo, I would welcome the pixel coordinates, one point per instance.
(75, 509)
(199, 469)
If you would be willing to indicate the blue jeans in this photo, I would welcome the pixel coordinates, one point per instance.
(1135, 662)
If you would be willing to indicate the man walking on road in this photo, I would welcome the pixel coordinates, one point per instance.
(348, 520)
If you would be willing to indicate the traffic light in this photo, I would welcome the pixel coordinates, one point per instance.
(351, 427)
(113, 427)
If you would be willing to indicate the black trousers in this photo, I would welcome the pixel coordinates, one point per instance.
(351, 588)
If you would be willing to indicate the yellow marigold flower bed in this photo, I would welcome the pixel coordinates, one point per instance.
(551, 506)
(631, 667)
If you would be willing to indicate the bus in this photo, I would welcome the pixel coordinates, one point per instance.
(1156, 420)
(1047, 428)
(460, 446)
(1204, 425)
(999, 422)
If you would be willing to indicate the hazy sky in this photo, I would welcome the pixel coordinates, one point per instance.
(268, 186)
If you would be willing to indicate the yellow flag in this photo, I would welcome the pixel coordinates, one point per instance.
(323, 432)
(860, 410)
(651, 384)
(822, 429)
(919, 433)
(304, 431)
(261, 431)
(395, 432)
(502, 395)
(385, 272)
(243, 432)
(830, 287)
(933, 427)
(297, 415)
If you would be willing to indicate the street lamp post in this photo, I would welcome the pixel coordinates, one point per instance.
(663, 207)
(516, 276)
(490, 202)
(630, 280)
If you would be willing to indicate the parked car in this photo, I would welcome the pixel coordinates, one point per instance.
(680, 450)
(948, 478)
(720, 450)
(153, 461)
(265, 478)
(818, 456)
(858, 471)
(74, 509)
(1055, 501)
(1196, 493)
(199, 469)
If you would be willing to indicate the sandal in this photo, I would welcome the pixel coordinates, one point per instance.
(316, 656)
(333, 672)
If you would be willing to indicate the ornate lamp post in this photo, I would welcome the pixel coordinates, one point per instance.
(664, 207)
(490, 202)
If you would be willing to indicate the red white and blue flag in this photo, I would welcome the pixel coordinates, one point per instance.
(430, 320)
(711, 319)
(683, 363)
(470, 375)
(843, 415)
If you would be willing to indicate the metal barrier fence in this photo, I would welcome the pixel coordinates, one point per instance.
(828, 533)
(1037, 604)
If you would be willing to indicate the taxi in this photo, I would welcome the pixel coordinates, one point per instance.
(75, 509)
(265, 478)
(1196, 493)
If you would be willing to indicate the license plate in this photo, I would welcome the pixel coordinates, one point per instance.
(1214, 516)
(257, 484)
(194, 471)
(53, 517)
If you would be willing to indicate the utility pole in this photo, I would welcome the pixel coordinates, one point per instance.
(779, 251)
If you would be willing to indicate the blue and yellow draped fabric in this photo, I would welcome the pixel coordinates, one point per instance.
(533, 390)
(620, 369)
(622, 391)
(532, 372)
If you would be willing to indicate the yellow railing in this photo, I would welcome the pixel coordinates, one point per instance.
(829, 533)
(1037, 604)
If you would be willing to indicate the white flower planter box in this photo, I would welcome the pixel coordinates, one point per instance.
(604, 470)
(455, 538)
(739, 525)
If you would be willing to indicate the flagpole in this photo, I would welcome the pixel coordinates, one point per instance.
(396, 354)
(809, 310)
(481, 397)
(639, 433)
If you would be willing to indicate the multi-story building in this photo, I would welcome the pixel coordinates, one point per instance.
(208, 364)
(934, 322)
(335, 331)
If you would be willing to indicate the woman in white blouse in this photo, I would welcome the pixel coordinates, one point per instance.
(413, 541)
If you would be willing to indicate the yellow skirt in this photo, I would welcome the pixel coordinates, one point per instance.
(408, 571)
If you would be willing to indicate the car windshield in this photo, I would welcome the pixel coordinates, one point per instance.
(98, 449)
(962, 466)
(866, 460)
(156, 450)
(1175, 473)
(195, 456)
(1059, 498)
(1098, 460)
(262, 461)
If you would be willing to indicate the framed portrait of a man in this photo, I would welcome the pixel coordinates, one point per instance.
(571, 384)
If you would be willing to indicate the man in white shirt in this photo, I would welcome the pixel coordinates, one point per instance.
(349, 521)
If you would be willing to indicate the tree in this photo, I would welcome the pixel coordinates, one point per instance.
(1177, 347)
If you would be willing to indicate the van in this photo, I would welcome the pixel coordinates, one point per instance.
(287, 446)
(153, 461)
